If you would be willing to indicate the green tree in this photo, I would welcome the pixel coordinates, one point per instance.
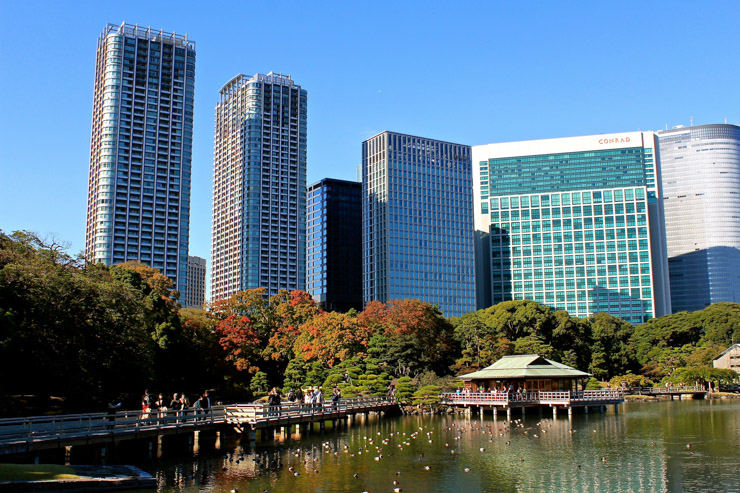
(610, 352)
(259, 385)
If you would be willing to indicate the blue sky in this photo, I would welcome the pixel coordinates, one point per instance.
(467, 72)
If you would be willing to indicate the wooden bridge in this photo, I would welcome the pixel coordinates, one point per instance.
(695, 391)
(19, 435)
(585, 399)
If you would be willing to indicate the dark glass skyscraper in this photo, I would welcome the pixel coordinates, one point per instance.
(138, 205)
(417, 222)
(334, 244)
(259, 186)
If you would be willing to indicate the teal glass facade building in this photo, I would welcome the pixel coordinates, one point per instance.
(417, 222)
(574, 224)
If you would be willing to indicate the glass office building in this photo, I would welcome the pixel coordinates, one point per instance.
(138, 203)
(417, 222)
(334, 244)
(575, 224)
(259, 186)
(700, 168)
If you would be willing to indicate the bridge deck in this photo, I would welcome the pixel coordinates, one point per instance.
(19, 435)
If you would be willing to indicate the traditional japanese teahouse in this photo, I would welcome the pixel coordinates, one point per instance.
(529, 380)
(529, 372)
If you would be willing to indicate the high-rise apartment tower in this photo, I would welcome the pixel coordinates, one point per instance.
(574, 223)
(700, 168)
(417, 222)
(259, 186)
(138, 205)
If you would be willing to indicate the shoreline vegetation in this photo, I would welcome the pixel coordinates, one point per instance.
(91, 334)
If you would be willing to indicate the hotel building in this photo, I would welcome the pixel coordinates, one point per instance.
(334, 244)
(259, 186)
(573, 223)
(417, 222)
(138, 203)
(700, 169)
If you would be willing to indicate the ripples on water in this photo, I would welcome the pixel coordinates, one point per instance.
(643, 448)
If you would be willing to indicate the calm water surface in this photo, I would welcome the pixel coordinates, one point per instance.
(663, 446)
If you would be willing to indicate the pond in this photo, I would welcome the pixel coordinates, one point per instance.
(690, 445)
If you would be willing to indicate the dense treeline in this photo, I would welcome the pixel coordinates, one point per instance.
(88, 332)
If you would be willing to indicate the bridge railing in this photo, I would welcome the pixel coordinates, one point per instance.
(538, 397)
(89, 424)
(667, 390)
(71, 426)
(255, 413)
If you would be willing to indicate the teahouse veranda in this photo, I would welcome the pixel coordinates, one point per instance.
(529, 380)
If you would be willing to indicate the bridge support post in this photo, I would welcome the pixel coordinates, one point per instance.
(495, 412)
(585, 409)
(508, 413)
(159, 446)
(671, 396)
(554, 412)
(322, 425)
(524, 410)
(616, 408)
(67, 454)
(570, 410)
(102, 454)
(679, 397)
(195, 441)
(217, 445)
(602, 409)
(252, 436)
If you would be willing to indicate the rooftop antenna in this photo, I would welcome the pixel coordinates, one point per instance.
(691, 121)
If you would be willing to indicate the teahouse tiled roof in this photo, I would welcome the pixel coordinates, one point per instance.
(525, 366)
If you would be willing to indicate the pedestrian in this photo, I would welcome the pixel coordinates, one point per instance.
(161, 406)
(308, 397)
(291, 396)
(335, 396)
(175, 406)
(198, 407)
(273, 402)
(299, 395)
(184, 404)
(146, 404)
(112, 408)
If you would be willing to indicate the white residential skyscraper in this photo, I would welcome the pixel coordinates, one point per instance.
(259, 186)
(138, 203)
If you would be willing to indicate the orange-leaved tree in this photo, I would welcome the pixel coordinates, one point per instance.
(331, 338)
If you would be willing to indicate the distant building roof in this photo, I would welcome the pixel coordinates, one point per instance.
(525, 366)
(726, 351)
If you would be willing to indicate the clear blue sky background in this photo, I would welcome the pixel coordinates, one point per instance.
(467, 72)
